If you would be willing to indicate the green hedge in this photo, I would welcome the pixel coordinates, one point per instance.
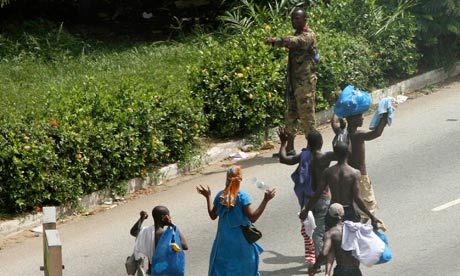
(241, 81)
(389, 32)
(94, 137)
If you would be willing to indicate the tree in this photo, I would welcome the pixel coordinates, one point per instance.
(438, 24)
(439, 30)
(3, 3)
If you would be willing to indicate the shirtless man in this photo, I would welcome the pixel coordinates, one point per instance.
(343, 181)
(347, 265)
(358, 156)
(319, 162)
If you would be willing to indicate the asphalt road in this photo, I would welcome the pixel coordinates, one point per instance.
(413, 167)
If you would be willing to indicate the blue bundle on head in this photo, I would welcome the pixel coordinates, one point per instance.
(352, 101)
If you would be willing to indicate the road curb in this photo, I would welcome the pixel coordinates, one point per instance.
(220, 152)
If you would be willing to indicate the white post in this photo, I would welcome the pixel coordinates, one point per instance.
(52, 248)
(53, 254)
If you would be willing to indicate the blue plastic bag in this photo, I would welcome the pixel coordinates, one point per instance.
(386, 255)
(317, 57)
(166, 261)
(352, 101)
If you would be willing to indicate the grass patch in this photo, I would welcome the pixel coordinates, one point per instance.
(26, 80)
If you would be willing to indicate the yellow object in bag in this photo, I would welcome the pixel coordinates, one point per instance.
(175, 247)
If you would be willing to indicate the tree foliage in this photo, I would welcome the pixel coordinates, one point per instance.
(438, 30)
(3, 3)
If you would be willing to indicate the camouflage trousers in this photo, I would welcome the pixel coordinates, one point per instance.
(300, 106)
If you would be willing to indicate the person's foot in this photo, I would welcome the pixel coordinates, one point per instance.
(311, 271)
(309, 263)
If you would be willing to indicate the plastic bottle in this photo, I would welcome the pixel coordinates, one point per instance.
(260, 184)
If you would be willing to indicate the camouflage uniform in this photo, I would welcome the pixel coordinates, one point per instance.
(301, 80)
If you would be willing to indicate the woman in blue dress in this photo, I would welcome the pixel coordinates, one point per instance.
(232, 254)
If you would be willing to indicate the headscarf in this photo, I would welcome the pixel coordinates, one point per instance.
(232, 186)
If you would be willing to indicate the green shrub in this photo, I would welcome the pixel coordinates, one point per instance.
(438, 31)
(130, 117)
(344, 59)
(389, 32)
(94, 137)
(241, 81)
(26, 159)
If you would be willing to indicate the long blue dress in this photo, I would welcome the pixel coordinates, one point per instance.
(231, 254)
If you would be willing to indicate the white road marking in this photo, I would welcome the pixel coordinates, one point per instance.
(447, 205)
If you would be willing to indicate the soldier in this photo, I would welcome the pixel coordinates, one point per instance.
(301, 77)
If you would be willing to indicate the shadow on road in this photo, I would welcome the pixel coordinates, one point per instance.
(244, 163)
(258, 161)
(293, 271)
(278, 259)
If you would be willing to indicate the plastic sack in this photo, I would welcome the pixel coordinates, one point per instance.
(386, 255)
(169, 256)
(352, 101)
(317, 57)
(342, 137)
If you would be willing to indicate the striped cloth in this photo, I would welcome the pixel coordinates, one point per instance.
(310, 257)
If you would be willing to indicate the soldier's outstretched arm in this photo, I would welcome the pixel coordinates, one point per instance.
(291, 41)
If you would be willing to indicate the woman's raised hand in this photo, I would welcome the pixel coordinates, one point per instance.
(206, 192)
(269, 194)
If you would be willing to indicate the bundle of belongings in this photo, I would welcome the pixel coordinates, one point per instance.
(352, 101)
(369, 246)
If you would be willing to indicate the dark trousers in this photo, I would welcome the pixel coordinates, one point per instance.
(347, 271)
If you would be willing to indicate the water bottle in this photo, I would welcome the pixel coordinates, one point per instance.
(260, 184)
